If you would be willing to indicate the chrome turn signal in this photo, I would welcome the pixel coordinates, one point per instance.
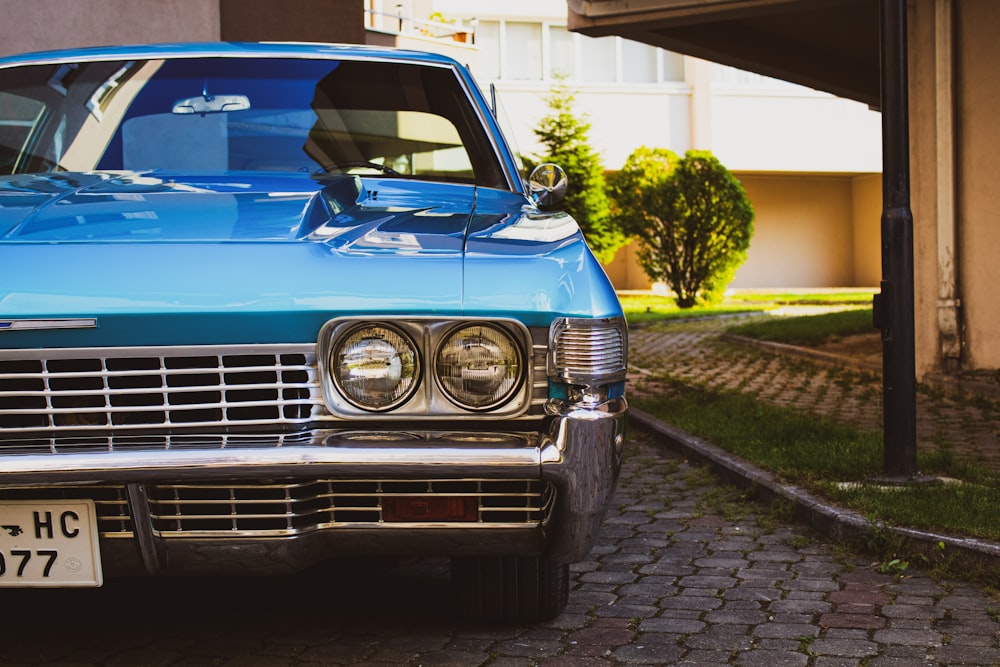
(588, 351)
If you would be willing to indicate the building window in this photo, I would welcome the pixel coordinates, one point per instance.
(672, 66)
(532, 51)
(522, 59)
(598, 60)
(638, 62)
(562, 58)
(488, 41)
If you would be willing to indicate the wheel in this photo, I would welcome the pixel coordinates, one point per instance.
(509, 589)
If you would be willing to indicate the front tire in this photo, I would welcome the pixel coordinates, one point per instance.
(509, 589)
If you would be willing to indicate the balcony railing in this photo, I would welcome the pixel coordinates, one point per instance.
(400, 23)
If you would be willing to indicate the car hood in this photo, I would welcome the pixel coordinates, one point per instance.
(155, 259)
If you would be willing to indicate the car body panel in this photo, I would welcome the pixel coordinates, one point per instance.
(400, 253)
(175, 342)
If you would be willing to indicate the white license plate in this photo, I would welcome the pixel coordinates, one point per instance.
(47, 543)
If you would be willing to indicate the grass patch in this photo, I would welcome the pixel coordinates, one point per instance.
(810, 330)
(963, 509)
(819, 454)
(854, 297)
(644, 308)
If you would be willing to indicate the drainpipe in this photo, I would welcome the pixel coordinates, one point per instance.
(948, 304)
(893, 306)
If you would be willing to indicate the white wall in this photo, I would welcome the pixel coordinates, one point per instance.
(750, 122)
(795, 130)
(621, 120)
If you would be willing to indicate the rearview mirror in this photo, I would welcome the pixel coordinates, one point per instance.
(211, 104)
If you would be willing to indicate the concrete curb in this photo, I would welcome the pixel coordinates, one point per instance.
(836, 522)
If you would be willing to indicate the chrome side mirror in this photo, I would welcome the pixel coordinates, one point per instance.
(547, 184)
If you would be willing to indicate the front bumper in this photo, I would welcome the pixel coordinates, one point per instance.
(578, 456)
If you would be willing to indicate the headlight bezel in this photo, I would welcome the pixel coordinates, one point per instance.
(428, 401)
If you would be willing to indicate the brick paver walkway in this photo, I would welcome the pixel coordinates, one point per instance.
(693, 352)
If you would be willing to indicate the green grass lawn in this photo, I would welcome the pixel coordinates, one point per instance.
(645, 308)
(808, 330)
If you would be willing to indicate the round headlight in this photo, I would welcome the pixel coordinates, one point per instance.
(375, 367)
(479, 366)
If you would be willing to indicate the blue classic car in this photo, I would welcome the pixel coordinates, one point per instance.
(266, 304)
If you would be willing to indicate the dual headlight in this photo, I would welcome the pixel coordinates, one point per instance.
(377, 367)
(441, 368)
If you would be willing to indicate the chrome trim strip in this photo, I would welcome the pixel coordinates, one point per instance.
(157, 350)
(38, 325)
(322, 51)
(379, 460)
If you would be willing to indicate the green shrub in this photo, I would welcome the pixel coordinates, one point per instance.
(692, 217)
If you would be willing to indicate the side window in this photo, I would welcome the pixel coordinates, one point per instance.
(21, 118)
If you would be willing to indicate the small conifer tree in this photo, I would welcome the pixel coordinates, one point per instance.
(564, 135)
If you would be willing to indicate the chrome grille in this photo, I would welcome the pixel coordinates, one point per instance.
(49, 396)
(68, 391)
(284, 509)
(111, 503)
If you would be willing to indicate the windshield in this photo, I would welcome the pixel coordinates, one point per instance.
(244, 114)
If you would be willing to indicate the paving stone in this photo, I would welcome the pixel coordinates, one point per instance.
(763, 657)
(850, 648)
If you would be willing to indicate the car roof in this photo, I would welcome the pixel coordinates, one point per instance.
(227, 50)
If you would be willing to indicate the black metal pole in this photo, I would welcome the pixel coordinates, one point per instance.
(893, 307)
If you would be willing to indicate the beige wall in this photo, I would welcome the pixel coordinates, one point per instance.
(625, 272)
(809, 231)
(923, 186)
(803, 235)
(957, 157)
(866, 199)
(978, 147)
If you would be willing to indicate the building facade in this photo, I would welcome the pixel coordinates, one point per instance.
(810, 161)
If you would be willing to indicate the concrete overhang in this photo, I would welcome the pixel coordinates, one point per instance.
(829, 45)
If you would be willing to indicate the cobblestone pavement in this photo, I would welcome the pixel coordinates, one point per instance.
(692, 352)
(684, 573)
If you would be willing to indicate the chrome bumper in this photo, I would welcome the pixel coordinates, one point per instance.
(579, 455)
